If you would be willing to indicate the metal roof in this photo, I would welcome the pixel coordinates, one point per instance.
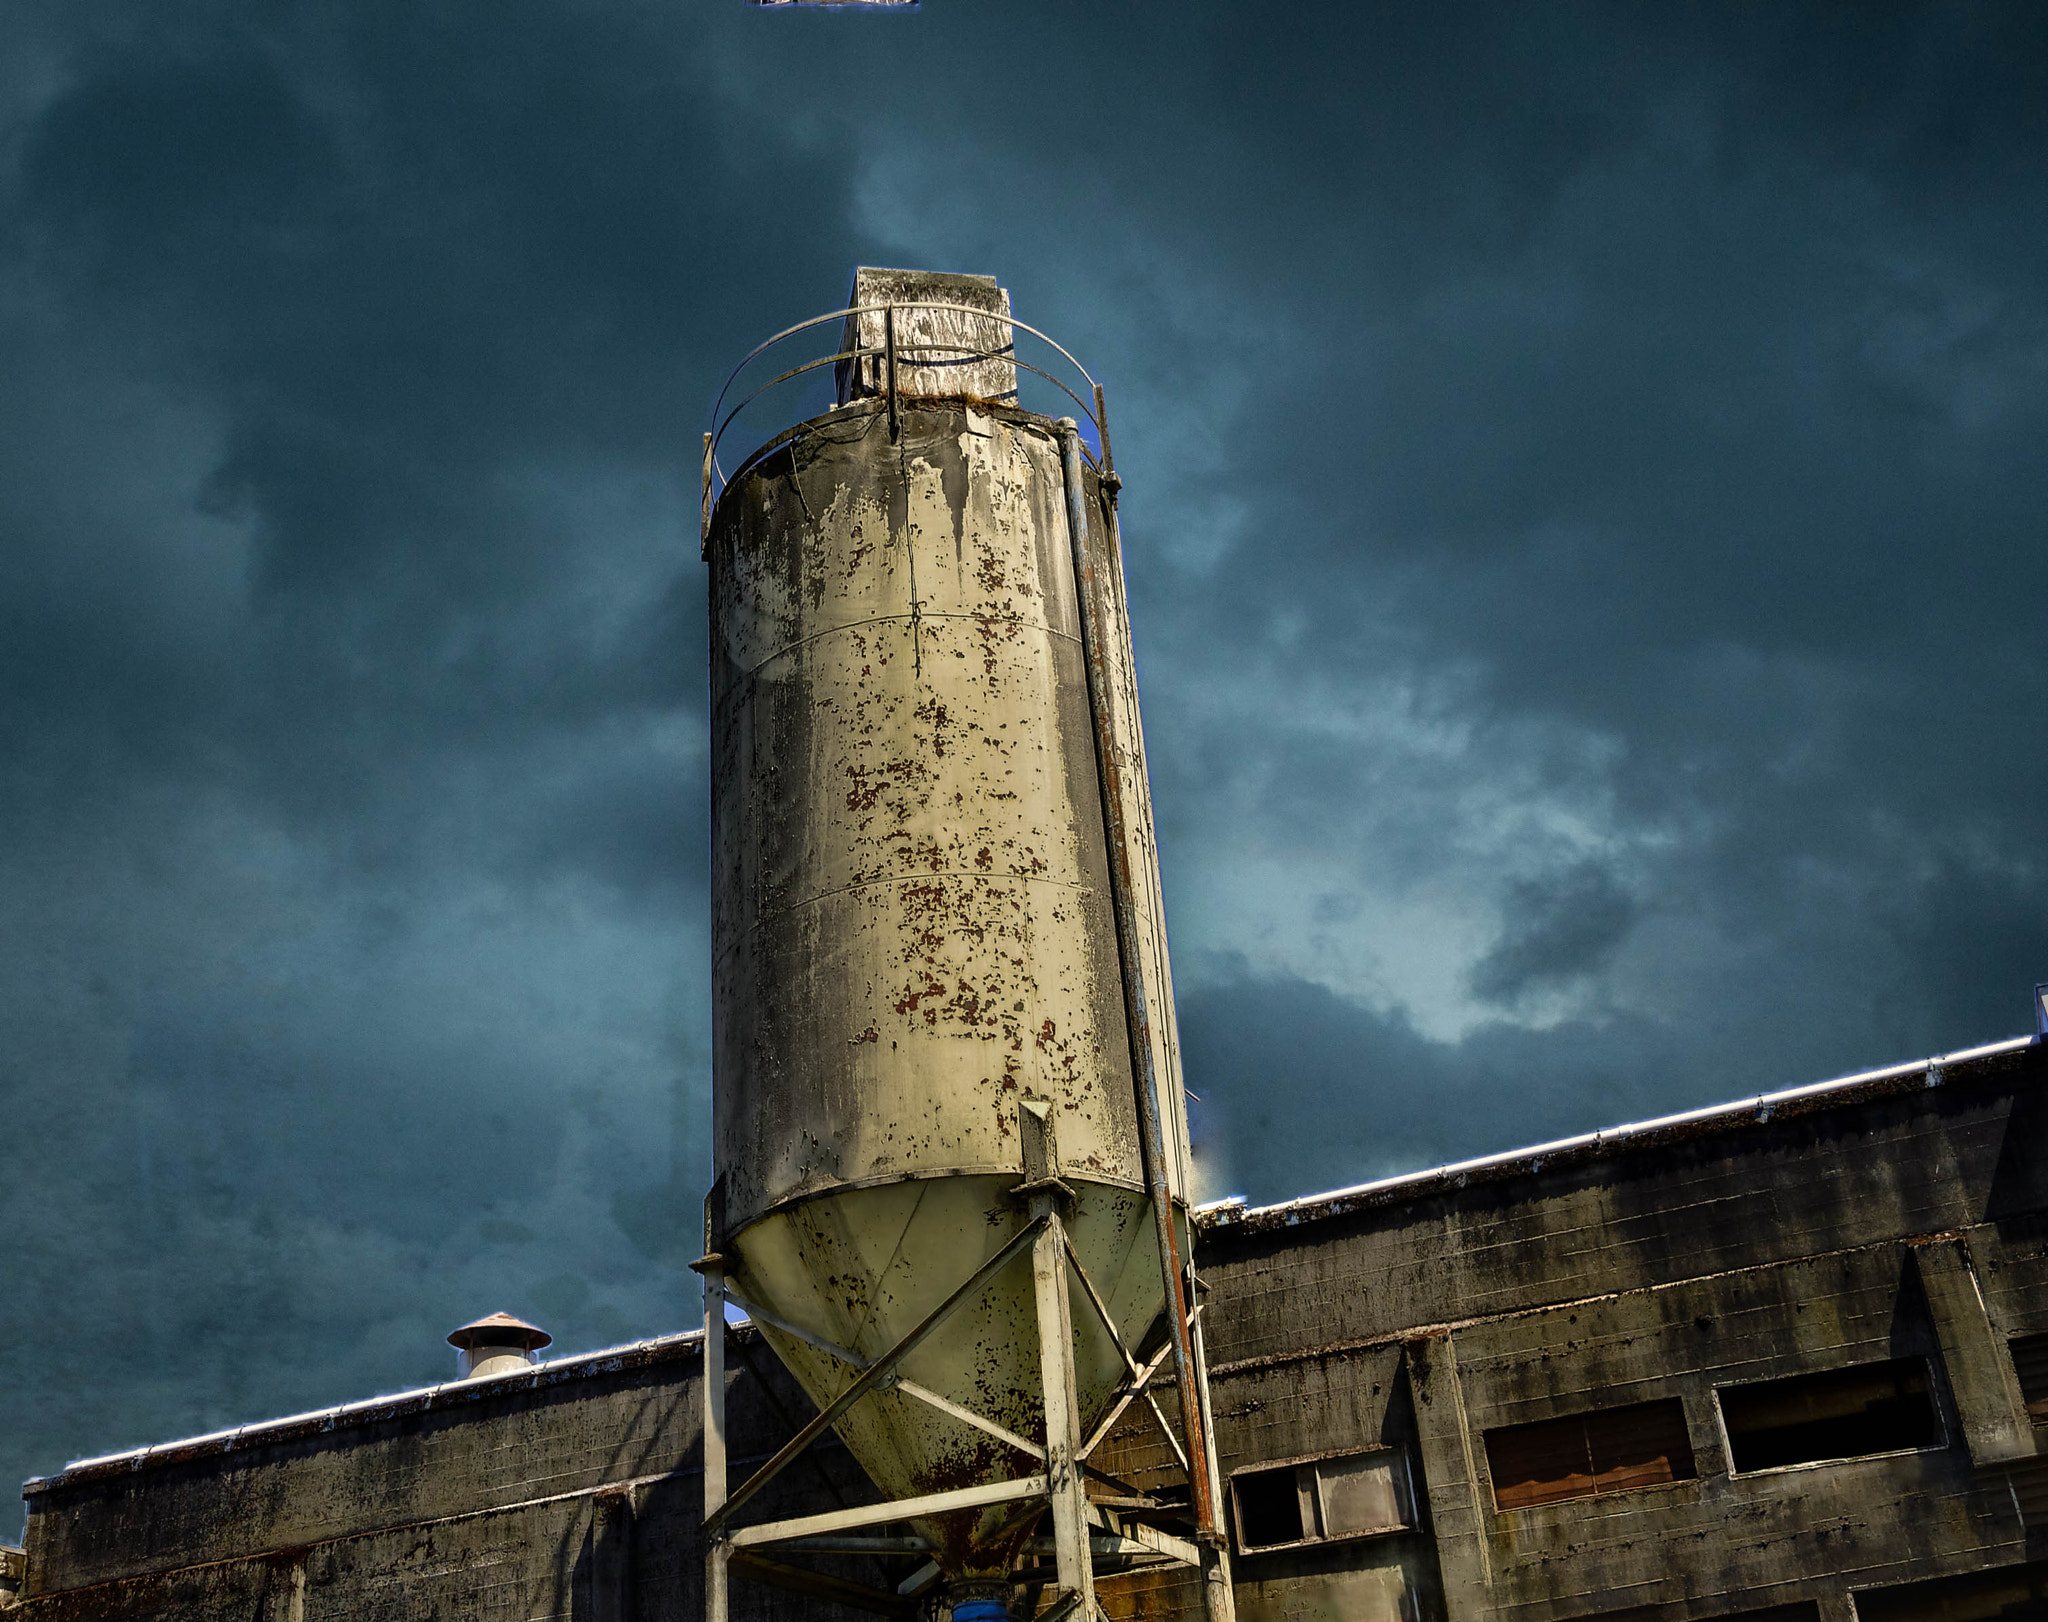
(1234, 1214)
(425, 1399)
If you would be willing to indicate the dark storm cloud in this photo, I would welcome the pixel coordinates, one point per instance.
(1354, 1095)
(1561, 927)
(351, 671)
(1583, 519)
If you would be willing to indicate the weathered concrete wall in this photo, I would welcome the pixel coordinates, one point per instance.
(573, 1492)
(1902, 1221)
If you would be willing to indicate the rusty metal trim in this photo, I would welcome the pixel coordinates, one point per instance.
(889, 346)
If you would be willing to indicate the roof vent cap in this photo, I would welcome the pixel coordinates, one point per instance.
(499, 1344)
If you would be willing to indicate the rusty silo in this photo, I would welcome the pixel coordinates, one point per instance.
(951, 1147)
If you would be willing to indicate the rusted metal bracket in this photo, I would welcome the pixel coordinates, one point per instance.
(1065, 1606)
(871, 1377)
(1149, 1537)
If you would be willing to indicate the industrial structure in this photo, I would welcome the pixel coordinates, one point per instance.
(945, 1068)
(1786, 1359)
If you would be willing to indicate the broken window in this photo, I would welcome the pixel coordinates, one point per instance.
(2030, 1362)
(1347, 1495)
(1580, 1455)
(1837, 1414)
(2002, 1594)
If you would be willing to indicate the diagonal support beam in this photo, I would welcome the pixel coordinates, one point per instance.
(761, 1315)
(1116, 1339)
(1101, 1311)
(1151, 1538)
(1129, 1395)
(873, 1374)
(895, 1382)
(967, 1416)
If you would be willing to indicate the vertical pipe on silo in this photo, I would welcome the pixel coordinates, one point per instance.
(1090, 590)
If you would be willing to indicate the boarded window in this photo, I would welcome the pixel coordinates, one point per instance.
(2003, 1594)
(1837, 1414)
(2030, 1361)
(1347, 1495)
(1580, 1455)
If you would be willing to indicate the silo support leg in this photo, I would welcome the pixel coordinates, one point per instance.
(1219, 1601)
(1062, 1413)
(716, 1549)
(716, 1558)
(1219, 1598)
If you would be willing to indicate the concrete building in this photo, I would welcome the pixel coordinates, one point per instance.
(1786, 1359)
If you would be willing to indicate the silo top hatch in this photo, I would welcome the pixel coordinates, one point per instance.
(939, 352)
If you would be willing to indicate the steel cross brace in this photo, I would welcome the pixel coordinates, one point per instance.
(872, 1376)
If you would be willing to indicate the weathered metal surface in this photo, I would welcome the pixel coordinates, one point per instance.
(938, 351)
(912, 929)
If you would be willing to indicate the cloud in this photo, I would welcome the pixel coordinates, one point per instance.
(1582, 514)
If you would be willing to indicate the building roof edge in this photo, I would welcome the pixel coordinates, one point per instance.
(368, 1410)
(1235, 1215)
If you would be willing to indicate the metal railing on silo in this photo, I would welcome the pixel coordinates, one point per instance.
(887, 361)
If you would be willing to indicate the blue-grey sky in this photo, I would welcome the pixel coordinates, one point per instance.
(1585, 500)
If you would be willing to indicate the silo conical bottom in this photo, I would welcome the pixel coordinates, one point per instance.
(863, 1267)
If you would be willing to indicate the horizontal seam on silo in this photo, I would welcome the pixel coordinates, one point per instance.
(921, 617)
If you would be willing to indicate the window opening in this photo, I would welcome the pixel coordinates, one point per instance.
(1344, 1495)
(2002, 1594)
(1268, 1509)
(2030, 1362)
(1584, 1455)
(1843, 1413)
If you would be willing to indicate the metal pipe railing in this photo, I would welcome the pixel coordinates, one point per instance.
(891, 353)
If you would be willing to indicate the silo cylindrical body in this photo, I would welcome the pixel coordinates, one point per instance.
(913, 926)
